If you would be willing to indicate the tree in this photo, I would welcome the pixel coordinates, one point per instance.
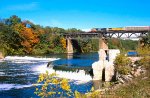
(13, 20)
(145, 40)
(10, 39)
(144, 48)
(73, 30)
(29, 39)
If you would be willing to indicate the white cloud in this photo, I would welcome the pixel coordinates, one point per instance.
(23, 7)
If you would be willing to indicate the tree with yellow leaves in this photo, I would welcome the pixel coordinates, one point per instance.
(52, 86)
(63, 42)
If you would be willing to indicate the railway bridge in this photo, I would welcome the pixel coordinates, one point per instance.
(102, 36)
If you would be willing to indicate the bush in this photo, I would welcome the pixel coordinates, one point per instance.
(124, 70)
(52, 86)
(143, 51)
(145, 62)
(122, 64)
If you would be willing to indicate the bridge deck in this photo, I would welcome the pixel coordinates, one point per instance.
(105, 34)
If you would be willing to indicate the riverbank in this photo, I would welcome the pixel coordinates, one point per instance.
(134, 84)
(139, 87)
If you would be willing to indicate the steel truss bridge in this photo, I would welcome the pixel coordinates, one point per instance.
(95, 35)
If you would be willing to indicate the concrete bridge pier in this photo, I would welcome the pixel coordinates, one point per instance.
(69, 46)
(99, 66)
(103, 45)
(104, 68)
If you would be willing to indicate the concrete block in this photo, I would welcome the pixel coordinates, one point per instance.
(97, 70)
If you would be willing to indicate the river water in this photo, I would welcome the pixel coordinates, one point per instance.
(19, 74)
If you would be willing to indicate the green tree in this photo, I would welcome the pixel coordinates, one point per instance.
(73, 30)
(13, 20)
(145, 40)
(10, 40)
(122, 64)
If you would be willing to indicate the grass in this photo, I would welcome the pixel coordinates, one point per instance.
(138, 88)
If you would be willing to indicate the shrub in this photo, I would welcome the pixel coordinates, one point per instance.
(143, 51)
(124, 70)
(48, 85)
(122, 64)
(52, 86)
(145, 62)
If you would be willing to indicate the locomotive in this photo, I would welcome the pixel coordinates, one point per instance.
(127, 29)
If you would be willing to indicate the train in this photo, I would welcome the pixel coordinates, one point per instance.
(127, 29)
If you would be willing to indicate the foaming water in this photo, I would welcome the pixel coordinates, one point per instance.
(41, 67)
(27, 59)
(78, 75)
(13, 86)
(19, 74)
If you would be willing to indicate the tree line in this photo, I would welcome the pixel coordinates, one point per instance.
(20, 37)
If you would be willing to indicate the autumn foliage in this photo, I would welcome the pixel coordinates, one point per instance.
(22, 37)
(63, 42)
(28, 36)
(29, 39)
(53, 86)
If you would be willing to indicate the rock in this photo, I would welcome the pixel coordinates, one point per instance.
(144, 78)
(132, 69)
(143, 71)
(139, 67)
(137, 72)
(132, 72)
(121, 80)
(134, 65)
(130, 76)
(49, 64)
(126, 78)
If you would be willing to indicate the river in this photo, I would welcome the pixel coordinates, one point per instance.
(19, 74)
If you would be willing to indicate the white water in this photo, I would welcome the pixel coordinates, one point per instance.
(13, 86)
(80, 76)
(40, 67)
(27, 59)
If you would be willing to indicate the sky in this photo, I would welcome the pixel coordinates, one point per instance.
(80, 14)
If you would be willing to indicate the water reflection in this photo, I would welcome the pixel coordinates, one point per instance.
(69, 56)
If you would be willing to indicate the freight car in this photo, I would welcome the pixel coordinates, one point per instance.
(127, 29)
(115, 29)
(137, 28)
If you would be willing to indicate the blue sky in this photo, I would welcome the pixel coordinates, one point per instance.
(81, 14)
